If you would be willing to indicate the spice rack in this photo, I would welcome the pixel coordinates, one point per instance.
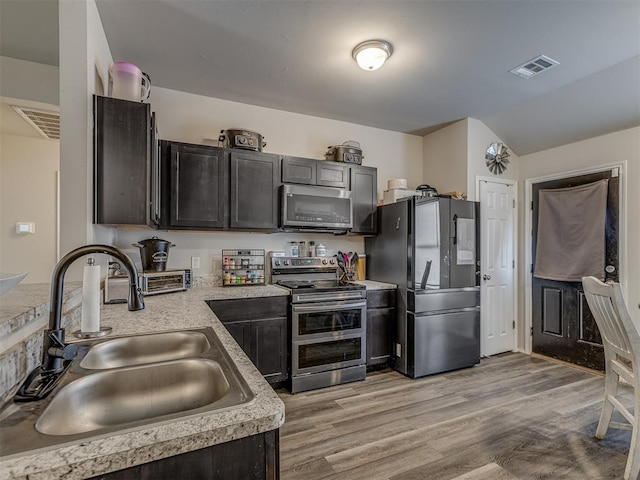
(242, 268)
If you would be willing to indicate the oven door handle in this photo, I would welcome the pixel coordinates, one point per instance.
(320, 307)
(332, 297)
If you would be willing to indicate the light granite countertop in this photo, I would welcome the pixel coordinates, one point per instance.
(27, 303)
(373, 285)
(176, 311)
(105, 453)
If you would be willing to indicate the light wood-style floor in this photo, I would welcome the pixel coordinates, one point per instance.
(511, 417)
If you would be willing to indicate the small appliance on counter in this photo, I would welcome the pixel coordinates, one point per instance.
(241, 138)
(154, 253)
(154, 283)
(243, 268)
(116, 285)
(348, 152)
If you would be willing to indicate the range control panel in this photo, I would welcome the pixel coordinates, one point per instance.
(303, 262)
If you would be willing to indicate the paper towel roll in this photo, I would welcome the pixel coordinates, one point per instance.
(90, 298)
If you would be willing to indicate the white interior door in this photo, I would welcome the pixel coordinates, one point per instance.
(497, 272)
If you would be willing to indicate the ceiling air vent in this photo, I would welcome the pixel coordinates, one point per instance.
(534, 66)
(46, 123)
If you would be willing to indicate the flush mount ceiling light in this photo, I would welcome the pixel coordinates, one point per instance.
(372, 54)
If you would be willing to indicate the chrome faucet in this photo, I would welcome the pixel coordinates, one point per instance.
(54, 349)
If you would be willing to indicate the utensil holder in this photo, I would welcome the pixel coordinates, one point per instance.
(347, 276)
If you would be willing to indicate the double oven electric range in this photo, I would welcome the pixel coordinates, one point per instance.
(328, 322)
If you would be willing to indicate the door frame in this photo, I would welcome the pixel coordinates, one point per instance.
(528, 227)
(516, 275)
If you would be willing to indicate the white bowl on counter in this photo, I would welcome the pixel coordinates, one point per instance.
(10, 280)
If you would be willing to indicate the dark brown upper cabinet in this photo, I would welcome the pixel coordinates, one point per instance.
(364, 197)
(126, 175)
(307, 171)
(197, 183)
(254, 183)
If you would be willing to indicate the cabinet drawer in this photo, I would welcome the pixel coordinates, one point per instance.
(249, 308)
(333, 174)
(381, 298)
(437, 301)
(299, 170)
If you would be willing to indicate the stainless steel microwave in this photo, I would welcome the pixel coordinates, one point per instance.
(322, 208)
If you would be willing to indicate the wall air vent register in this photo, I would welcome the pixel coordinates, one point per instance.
(46, 123)
(534, 66)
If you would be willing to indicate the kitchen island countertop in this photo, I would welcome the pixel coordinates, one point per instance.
(106, 453)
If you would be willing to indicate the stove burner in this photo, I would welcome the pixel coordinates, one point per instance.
(319, 285)
(295, 284)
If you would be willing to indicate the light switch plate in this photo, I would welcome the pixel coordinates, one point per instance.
(23, 228)
(195, 262)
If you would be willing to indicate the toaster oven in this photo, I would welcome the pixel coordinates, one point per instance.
(153, 283)
(116, 287)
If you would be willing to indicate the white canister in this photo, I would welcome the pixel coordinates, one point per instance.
(321, 250)
(396, 183)
(128, 82)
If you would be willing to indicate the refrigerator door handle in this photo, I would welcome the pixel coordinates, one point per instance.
(455, 229)
(425, 275)
(398, 223)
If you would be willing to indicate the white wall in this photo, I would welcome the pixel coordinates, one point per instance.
(29, 80)
(28, 185)
(445, 158)
(196, 119)
(607, 149)
(208, 246)
(84, 58)
(479, 137)
(454, 155)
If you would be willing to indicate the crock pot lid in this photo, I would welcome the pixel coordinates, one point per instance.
(154, 240)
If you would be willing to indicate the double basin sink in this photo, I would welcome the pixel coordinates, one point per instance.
(129, 382)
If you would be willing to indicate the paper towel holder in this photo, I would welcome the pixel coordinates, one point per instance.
(103, 331)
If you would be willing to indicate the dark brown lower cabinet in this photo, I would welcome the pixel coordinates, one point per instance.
(380, 317)
(251, 458)
(259, 325)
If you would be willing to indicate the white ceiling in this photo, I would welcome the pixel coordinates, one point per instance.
(451, 59)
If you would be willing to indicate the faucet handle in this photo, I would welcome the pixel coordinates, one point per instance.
(68, 352)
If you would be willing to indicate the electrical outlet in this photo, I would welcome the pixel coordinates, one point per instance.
(195, 262)
(398, 350)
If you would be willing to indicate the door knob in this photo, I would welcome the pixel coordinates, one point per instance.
(486, 277)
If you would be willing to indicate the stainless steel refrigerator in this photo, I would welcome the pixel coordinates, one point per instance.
(429, 248)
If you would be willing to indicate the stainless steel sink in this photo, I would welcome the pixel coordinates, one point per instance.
(142, 349)
(177, 374)
(119, 397)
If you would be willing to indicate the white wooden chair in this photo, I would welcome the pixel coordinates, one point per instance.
(621, 342)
